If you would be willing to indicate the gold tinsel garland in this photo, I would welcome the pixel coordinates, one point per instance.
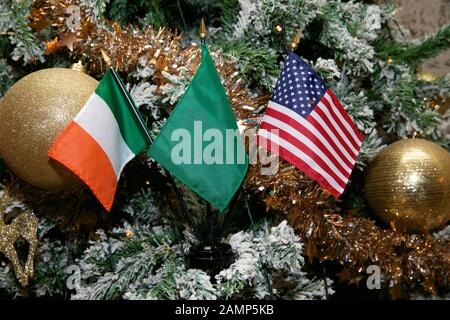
(405, 259)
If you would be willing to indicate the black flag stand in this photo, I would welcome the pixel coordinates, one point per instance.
(211, 255)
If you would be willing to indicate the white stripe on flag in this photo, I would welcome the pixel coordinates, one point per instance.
(296, 134)
(97, 119)
(295, 116)
(343, 120)
(336, 126)
(304, 157)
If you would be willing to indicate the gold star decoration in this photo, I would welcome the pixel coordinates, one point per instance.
(68, 40)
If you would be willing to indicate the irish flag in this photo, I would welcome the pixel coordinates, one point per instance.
(102, 138)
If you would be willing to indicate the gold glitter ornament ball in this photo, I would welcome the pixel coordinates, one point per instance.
(33, 113)
(408, 185)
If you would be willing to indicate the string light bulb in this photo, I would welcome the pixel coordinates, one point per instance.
(129, 234)
(295, 41)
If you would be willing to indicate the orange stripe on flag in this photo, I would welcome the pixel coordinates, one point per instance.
(79, 152)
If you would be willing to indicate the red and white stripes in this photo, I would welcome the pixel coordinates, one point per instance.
(324, 145)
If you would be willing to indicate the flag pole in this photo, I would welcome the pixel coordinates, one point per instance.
(147, 134)
(293, 46)
(209, 220)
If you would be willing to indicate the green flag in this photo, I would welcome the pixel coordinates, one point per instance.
(200, 143)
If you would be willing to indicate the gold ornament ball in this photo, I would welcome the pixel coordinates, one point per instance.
(32, 115)
(408, 185)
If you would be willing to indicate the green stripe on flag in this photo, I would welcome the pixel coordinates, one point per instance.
(115, 98)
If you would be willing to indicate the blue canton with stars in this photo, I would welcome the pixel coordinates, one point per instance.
(298, 88)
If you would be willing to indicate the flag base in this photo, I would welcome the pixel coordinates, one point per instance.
(211, 259)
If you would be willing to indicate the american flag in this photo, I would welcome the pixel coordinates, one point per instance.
(307, 126)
